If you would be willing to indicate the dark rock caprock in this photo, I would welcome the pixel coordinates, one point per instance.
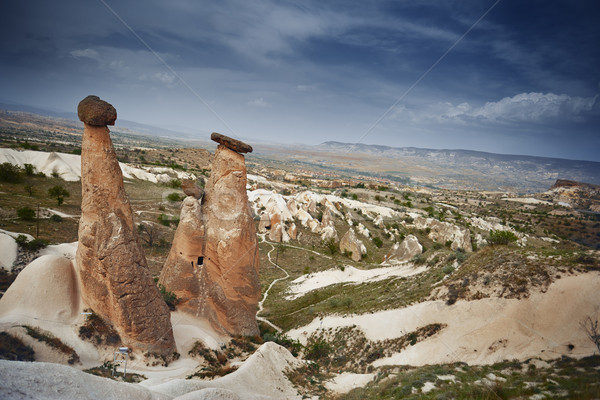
(96, 112)
(114, 277)
(230, 143)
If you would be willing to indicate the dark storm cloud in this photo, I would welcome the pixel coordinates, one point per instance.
(524, 80)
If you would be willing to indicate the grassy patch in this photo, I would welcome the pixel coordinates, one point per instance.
(107, 370)
(341, 298)
(99, 331)
(566, 378)
(12, 348)
(347, 348)
(52, 341)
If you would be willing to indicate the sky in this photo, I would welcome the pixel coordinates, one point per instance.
(507, 76)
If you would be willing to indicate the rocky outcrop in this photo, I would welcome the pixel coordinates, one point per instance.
(350, 244)
(328, 232)
(577, 195)
(443, 232)
(229, 284)
(114, 278)
(265, 223)
(230, 143)
(47, 288)
(327, 219)
(181, 273)
(190, 188)
(293, 231)
(405, 251)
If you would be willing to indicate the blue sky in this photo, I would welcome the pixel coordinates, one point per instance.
(524, 80)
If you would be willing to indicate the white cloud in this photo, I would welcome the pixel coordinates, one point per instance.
(259, 102)
(305, 88)
(85, 53)
(524, 107)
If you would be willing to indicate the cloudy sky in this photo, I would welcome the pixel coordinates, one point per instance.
(525, 78)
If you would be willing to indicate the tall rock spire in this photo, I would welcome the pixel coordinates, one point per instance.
(114, 276)
(213, 264)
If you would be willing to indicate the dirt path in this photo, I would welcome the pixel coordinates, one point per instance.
(260, 304)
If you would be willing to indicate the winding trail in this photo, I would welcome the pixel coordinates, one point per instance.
(260, 304)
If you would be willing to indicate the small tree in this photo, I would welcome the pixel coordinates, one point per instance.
(502, 237)
(29, 169)
(377, 241)
(149, 233)
(10, 173)
(59, 193)
(26, 213)
(592, 330)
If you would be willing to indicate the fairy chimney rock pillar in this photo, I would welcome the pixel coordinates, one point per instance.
(229, 281)
(114, 276)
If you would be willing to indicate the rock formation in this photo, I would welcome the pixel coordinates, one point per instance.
(404, 251)
(230, 143)
(181, 273)
(443, 232)
(114, 277)
(224, 287)
(265, 223)
(53, 281)
(293, 231)
(351, 244)
(190, 188)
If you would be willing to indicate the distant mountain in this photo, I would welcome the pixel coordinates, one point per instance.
(519, 171)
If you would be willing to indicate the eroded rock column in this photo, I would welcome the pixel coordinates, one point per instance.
(229, 285)
(182, 270)
(114, 276)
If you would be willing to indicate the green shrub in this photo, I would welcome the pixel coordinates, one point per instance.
(10, 173)
(378, 242)
(331, 246)
(97, 329)
(419, 259)
(56, 218)
(448, 269)
(174, 196)
(169, 297)
(282, 339)
(175, 183)
(502, 237)
(32, 245)
(167, 221)
(26, 213)
(317, 350)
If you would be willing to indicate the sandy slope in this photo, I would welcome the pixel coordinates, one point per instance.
(68, 166)
(488, 330)
(260, 377)
(317, 280)
(22, 380)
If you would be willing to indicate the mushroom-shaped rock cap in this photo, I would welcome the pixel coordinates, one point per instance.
(230, 143)
(190, 188)
(94, 111)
